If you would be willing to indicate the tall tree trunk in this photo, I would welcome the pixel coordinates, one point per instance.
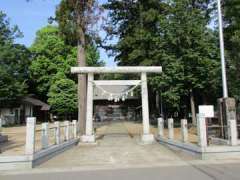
(82, 85)
(193, 110)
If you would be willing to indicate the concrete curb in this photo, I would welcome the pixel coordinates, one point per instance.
(203, 153)
(30, 161)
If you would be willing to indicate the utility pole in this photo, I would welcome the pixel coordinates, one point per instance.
(226, 105)
(223, 63)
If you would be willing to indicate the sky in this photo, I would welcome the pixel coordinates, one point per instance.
(32, 16)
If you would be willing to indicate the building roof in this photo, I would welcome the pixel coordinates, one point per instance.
(36, 102)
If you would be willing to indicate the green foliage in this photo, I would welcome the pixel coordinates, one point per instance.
(93, 56)
(174, 35)
(7, 33)
(63, 95)
(232, 39)
(50, 56)
(52, 59)
(14, 62)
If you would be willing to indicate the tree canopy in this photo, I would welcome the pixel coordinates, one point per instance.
(52, 59)
(62, 95)
(232, 39)
(174, 35)
(14, 62)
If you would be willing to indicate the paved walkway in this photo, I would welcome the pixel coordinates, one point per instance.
(118, 147)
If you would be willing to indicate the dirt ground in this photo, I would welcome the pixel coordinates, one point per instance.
(17, 135)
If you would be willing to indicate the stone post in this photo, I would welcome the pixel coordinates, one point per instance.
(161, 127)
(170, 129)
(232, 132)
(44, 135)
(184, 130)
(74, 128)
(57, 132)
(202, 134)
(146, 137)
(30, 136)
(227, 111)
(66, 130)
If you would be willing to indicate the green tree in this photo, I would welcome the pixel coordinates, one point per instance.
(51, 55)
(195, 46)
(74, 18)
(174, 35)
(232, 39)
(62, 95)
(7, 32)
(14, 62)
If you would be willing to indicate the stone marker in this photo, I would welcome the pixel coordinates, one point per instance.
(170, 128)
(184, 130)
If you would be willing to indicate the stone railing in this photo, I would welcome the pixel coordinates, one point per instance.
(69, 133)
(201, 146)
(42, 143)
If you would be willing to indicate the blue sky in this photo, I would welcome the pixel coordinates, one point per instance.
(33, 15)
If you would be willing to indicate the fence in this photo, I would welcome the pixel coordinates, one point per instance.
(41, 143)
(69, 129)
(204, 145)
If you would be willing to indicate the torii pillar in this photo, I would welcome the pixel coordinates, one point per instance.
(147, 137)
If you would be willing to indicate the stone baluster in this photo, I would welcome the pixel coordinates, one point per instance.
(44, 135)
(74, 129)
(202, 134)
(57, 132)
(30, 136)
(66, 130)
(184, 130)
(170, 128)
(161, 127)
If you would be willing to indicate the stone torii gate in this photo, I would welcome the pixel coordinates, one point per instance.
(89, 136)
